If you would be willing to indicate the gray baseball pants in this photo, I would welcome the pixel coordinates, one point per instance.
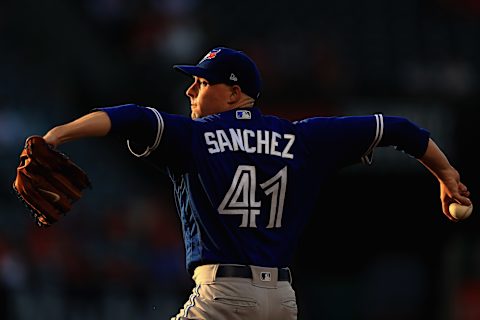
(237, 292)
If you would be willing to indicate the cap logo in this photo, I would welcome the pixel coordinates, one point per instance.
(233, 77)
(212, 54)
(243, 115)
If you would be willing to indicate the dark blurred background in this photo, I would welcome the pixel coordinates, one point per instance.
(378, 246)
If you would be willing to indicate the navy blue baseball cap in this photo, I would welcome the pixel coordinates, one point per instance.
(229, 66)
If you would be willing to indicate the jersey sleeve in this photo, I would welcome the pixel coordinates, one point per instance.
(150, 133)
(352, 139)
(405, 136)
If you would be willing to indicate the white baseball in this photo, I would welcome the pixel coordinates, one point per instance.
(459, 211)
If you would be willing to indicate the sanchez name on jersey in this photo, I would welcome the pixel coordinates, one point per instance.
(264, 141)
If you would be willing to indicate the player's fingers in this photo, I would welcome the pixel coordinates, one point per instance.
(463, 200)
(462, 186)
(462, 195)
(463, 190)
(455, 192)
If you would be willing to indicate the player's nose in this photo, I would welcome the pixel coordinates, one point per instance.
(192, 90)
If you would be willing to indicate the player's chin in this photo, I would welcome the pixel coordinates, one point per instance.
(195, 114)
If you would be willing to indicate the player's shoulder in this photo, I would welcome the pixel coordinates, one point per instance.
(207, 119)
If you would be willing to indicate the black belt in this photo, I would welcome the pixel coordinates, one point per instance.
(229, 271)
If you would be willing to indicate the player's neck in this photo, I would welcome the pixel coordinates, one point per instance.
(247, 105)
(244, 103)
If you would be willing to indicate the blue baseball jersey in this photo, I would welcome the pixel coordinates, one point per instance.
(245, 183)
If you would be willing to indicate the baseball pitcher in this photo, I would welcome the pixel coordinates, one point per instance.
(246, 183)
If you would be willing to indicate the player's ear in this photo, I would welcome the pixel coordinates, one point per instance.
(235, 94)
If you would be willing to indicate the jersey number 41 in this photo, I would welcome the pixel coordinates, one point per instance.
(240, 197)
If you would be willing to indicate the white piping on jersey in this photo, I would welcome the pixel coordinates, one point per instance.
(191, 301)
(367, 158)
(160, 126)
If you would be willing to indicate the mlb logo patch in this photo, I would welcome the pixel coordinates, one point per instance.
(265, 276)
(243, 114)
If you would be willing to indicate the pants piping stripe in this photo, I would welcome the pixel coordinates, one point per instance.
(194, 295)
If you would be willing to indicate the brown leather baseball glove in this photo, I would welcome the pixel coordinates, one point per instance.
(47, 181)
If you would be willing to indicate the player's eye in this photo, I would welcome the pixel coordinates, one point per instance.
(203, 83)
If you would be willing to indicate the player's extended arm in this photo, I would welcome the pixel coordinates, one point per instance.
(94, 124)
(451, 188)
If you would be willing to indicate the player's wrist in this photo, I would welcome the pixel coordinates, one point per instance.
(52, 137)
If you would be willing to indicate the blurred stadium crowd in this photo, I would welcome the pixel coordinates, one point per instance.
(119, 254)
